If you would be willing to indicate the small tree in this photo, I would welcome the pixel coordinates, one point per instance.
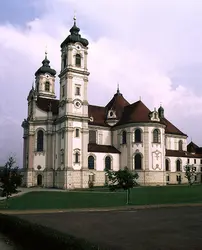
(190, 173)
(122, 179)
(10, 178)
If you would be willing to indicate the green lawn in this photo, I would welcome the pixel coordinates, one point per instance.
(139, 196)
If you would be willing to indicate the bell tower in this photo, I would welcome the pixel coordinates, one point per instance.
(45, 80)
(73, 107)
(74, 73)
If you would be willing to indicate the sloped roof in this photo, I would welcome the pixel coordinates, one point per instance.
(44, 104)
(170, 128)
(93, 147)
(178, 153)
(99, 115)
(193, 148)
(117, 103)
(136, 112)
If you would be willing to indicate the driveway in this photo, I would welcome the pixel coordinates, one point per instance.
(162, 229)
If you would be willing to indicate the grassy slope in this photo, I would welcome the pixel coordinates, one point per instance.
(139, 196)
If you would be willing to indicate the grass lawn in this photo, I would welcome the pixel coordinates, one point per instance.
(139, 196)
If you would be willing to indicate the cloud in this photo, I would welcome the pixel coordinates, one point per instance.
(151, 48)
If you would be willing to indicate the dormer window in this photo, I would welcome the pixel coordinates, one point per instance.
(47, 86)
(78, 60)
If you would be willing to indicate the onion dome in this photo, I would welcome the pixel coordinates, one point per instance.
(45, 68)
(74, 36)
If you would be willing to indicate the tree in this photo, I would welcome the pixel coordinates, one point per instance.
(190, 173)
(122, 179)
(10, 178)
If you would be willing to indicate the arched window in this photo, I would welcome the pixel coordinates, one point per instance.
(40, 141)
(124, 140)
(180, 145)
(39, 180)
(47, 86)
(78, 60)
(108, 163)
(138, 135)
(156, 136)
(178, 165)
(167, 165)
(92, 136)
(138, 161)
(91, 162)
(76, 157)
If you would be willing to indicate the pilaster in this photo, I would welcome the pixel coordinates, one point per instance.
(146, 148)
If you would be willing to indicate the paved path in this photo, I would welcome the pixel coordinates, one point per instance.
(124, 208)
(144, 229)
(4, 245)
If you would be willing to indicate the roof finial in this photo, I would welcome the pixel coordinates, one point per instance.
(118, 91)
(160, 104)
(46, 53)
(140, 98)
(74, 18)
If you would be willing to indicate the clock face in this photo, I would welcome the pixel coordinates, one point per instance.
(77, 104)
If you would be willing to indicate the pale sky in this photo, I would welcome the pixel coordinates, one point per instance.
(152, 48)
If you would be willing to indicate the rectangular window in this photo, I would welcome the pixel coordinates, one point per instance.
(195, 177)
(63, 91)
(77, 92)
(77, 132)
(167, 178)
(194, 161)
(201, 161)
(194, 168)
(188, 161)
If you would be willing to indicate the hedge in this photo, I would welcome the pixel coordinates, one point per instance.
(27, 235)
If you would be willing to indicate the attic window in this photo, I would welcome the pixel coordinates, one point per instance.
(47, 86)
(111, 113)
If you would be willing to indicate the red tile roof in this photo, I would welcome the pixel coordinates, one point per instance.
(128, 113)
(92, 147)
(171, 129)
(99, 115)
(178, 153)
(44, 104)
(136, 112)
(117, 103)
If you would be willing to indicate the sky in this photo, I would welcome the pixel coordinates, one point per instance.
(152, 48)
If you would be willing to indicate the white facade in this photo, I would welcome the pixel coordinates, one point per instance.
(68, 142)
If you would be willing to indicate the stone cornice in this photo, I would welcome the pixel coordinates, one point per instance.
(176, 136)
(148, 124)
(72, 117)
(99, 127)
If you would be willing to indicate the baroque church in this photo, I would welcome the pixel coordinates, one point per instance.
(69, 142)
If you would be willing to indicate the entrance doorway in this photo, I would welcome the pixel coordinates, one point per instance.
(39, 180)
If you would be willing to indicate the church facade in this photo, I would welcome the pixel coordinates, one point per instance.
(69, 143)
